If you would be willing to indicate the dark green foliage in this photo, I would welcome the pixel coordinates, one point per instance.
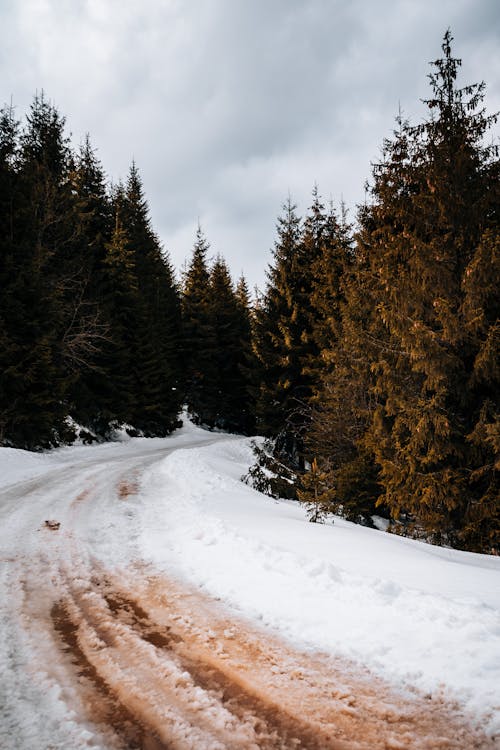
(199, 342)
(36, 299)
(372, 356)
(295, 321)
(391, 343)
(281, 341)
(231, 407)
(344, 401)
(155, 358)
(332, 260)
(89, 311)
(245, 360)
(216, 327)
(91, 327)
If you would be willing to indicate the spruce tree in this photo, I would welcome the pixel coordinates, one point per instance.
(432, 241)
(229, 395)
(339, 370)
(91, 327)
(246, 361)
(293, 323)
(343, 400)
(89, 314)
(278, 344)
(10, 264)
(156, 362)
(117, 386)
(199, 342)
(334, 256)
(316, 494)
(39, 278)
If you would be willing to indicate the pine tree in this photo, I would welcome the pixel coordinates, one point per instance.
(228, 397)
(89, 332)
(433, 226)
(156, 363)
(117, 386)
(246, 361)
(90, 314)
(40, 234)
(9, 270)
(199, 342)
(294, 322)
(316, 494)
(278, 346)
(344, 401)
(334, 256)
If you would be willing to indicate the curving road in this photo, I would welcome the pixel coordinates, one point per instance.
(96, 653)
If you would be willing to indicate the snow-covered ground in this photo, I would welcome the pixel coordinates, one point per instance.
(411, 611)
(419, 615)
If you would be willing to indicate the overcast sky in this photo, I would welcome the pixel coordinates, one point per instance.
(228, 105)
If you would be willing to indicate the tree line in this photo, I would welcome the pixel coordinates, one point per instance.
(379, 344)
(369, 361)
(94, 328)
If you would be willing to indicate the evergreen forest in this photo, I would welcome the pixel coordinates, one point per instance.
(369, 363)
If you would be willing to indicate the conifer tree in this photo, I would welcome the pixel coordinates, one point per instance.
(294, 322)
(89, 313)
(199, 343)
(117, 386)
(10, 264)
(278, 330)
(316, 494)
(332, 260)
(229, 393)
(246, 361)
(340, 404)
(434, 225)
(156, 362)
(40, 234)
(90, 326)
(343, 400)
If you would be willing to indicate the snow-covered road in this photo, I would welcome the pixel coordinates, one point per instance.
(174, 607)
(84, 491)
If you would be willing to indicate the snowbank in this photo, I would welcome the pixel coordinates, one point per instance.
(418, 614)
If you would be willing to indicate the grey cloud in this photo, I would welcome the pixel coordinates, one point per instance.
(227, 105)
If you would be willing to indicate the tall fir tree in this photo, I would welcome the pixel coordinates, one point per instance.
(156, 364)
(278, 346)
(435, 219)
(340, 406)
(10, 268)
(120, 289)
(344, 401)
(90, 328)
(41, 233)
(245, 358)
(229, 393)
(90, 312)
(199, 341)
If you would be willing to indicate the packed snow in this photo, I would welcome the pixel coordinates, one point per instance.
(419, 615)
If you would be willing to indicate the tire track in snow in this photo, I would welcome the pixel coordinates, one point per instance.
(229, 685)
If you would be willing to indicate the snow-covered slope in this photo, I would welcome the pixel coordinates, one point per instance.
(411, 611)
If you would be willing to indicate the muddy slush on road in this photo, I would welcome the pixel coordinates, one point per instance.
(126, 657)
(166, 667)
